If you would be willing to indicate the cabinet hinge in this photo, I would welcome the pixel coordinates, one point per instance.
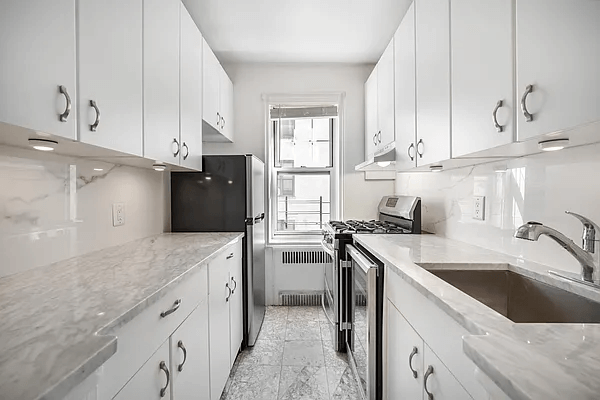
(346, 325)
(346, 264)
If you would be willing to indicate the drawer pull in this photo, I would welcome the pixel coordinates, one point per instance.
(172, 309)
(228, 295)
(63, 117)
(230, 256)
(414, 352)
(163, 367)
(182, 347)
(427, 375)
(235, 287)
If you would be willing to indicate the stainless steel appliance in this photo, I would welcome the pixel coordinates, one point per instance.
(228, 196)
(397, 215)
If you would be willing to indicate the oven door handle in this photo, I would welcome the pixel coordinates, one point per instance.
(327, 249)
(360, 259)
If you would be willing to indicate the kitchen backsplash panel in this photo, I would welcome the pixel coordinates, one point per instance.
(536, 188)
(53, 207)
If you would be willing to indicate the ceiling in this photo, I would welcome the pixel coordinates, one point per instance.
(290, 31)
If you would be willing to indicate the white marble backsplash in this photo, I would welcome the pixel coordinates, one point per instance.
(54, 207)
(536, 188)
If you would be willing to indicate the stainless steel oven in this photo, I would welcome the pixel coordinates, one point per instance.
(364, 339)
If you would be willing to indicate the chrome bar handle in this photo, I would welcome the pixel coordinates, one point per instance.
(412, 157)
(379, 136)
(172, 309)
(229, 295)
(163, 367)
(230, 256)
(498, 127)
(428, 373)
(222, 123)
(375, 139)
(182, 347)
(175, 150)
(94, 126)
(526, 113)
(235, 287)
(187, 150)
(414, 352)
(420, 153)
(590, 230)
(218, 119)
(63, 117)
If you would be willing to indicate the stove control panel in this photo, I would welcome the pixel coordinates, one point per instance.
(399, 206)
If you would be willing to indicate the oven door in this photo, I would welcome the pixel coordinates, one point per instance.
(330, 301)
(364, 342)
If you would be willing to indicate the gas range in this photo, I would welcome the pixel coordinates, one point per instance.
(372, 226)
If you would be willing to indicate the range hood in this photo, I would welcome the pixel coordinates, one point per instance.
(383, 160)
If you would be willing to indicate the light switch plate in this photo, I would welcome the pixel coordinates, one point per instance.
(118, 214)
(479, 208)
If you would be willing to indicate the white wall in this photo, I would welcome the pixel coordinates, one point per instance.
(251, 81)
(537, 188)
(53, 207)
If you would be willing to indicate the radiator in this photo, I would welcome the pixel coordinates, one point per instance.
(300, 299)
(305, 257)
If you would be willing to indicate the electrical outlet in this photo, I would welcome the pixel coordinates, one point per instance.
(118, 214)
(479, 207)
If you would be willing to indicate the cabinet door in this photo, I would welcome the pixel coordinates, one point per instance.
(151, 379)
(371, 114)
(404, 82)
(482, 75)
(211, 87)
(110, 74)
(226, 105)
(433, 80)
(218, 312)
(189, 350)
(236, 317)
(190, 89)
(38, 56)
(385, 97)
(161, 80)
(441, 383)
(404, 351)
(558, 53)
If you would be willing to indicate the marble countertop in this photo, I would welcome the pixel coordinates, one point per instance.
(526, 361)
(53, 318)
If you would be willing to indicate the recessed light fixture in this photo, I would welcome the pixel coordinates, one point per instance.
(383, 164)
(208, 178)
(553, 145)
(43, 144)
(99, 169)
(159, 167)
(230, 182)
(436, 168)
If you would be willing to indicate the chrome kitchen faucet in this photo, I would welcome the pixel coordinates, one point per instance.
(588, 255)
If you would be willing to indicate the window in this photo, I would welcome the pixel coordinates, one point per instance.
(303, 170)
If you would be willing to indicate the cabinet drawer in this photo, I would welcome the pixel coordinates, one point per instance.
(138, 339)
(442, 333)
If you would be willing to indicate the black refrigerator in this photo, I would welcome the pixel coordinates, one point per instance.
(228, 196)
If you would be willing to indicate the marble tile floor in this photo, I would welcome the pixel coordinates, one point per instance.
(293, 359)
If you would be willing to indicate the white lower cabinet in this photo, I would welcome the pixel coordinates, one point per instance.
(152, 381)
(224, 310)
(189, 357)
(413, 369)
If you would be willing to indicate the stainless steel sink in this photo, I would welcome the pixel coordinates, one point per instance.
(522, 299)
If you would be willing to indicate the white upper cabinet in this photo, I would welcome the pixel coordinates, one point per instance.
(405, 108)
(433, 80)
(558, 57)
(110, 74)
(371, 114)
(189, 356)
(190, 87)
(161, 80)
(37, 68)
(226, 106)
(385, 97)
(211, 87)
(482, 75)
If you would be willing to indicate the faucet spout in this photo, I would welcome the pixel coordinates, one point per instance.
(589, 263)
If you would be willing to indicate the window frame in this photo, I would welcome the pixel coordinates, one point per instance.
(300, 100)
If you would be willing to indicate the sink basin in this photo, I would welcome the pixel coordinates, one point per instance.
(522, 299)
